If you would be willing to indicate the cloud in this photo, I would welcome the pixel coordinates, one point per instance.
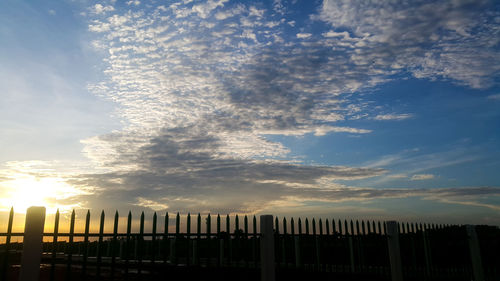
(393, 116)
(494, 97)
(100, 9)
(420, 177)
(430, 39)
(201, 86)
(203, 10)
(303, 35)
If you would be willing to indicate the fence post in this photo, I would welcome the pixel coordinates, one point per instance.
(394, 251)
(32, 248)
(475, 253)
(267, 248)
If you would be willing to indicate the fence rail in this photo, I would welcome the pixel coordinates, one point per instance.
(325, 248)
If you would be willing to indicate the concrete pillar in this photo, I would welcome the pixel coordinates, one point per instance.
(32, 245)
(475, 254)
(394, 251)
(267, 248)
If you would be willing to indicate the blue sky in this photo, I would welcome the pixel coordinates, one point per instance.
(320, 108)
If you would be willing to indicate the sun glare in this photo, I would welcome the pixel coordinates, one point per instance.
(24, 191)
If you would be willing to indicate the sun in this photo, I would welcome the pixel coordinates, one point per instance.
(23, 191)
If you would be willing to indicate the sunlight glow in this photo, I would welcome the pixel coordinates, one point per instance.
(24, 190)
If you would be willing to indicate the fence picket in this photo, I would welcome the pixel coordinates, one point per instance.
(220, 248)
(70, 245)
(54, 247)
(99, 245)
(254, 241)
(245, 223)
(165, 238)
(140, 242)
(188, 237)
(153, 239)
(196, 257)
(5, 264)
(86, 244)
(127, 244)
(113, 244)
(173, 242)
(283, 243)
(209, 226)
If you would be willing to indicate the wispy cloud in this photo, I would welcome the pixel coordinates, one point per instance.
(494, 97)
(393, 116)
(419, 177)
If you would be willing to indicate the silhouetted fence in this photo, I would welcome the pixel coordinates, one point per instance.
(303, 249)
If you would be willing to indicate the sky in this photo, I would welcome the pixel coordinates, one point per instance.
(348, 109)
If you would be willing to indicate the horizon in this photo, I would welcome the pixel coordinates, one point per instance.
(326, 109)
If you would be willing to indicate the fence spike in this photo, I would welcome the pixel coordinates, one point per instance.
(300, 227)
(127, 241)
(379, 228)
(142, 224)
(188, 225)
(320, 227)
(228, 224)
(209, 226)
(155, 218)
(368, 228)
(254, 227)
(276, 225)
(352, 228)
(357, 228)
(314, 226)
(245, 222)
(70, 245)
(54, 246)
(346, 227)
(86, 243)
(99, 246)
(177, 224)
(334, 227)
(198, 226)
(292, 226)
(165, 228)
(327, 225)
(307, 226)
(236, 223)
(113, 244)
(284, 226)
(363, 227)
(218, 225)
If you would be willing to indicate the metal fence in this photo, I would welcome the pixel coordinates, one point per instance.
(317, 249)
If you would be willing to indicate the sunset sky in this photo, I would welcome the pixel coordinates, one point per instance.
(348, 109)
